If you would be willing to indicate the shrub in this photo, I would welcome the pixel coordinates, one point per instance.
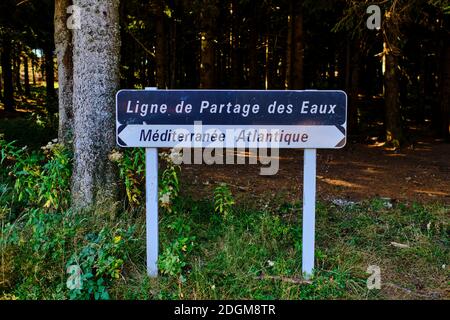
(169, 183)
(39, 248)
(131, 164)
(100, 261)
(41, 179)
(173, 259)
(223, 201)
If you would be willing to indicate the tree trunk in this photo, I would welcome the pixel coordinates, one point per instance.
(289, 51)
(393, 122)
(64, 52)
(49, 72)
(348, 65)
(298, 47)
(208, 16)
(173, 57)
(96, 48)
(161, 52)
(26, 76)
(253, 56)
(1, 86)
(444, 123)
(352, 84)
(421, 89)
(266, 61)
(17, 73)
(33, 71)
(206, 62)
(236, 56)
(8, 92)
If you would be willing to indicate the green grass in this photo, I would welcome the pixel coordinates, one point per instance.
(252, 254)
(230, 256)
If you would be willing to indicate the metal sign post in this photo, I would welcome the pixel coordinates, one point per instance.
(309, 211)
(151, 208)
(309, 120)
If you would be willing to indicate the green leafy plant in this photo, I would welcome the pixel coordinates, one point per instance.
(223, 200)
(101, 260)
(173, 259)
(169, 182)
(34, 247)
(131, 165)
(9, 152)
(38, 248)
(54, 186)
(41, 179)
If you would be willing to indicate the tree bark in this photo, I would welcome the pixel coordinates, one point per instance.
(393, 122)
(421, 89)
(26, 76)
(33, 71)
(64, 52)
(173, 66)
(236, 55)
(161, 52)
(266, 62)
(352, 84)
(289, 51)
(1, 86)
(298, 47)
(8, 92)
(17, 72)
(96, 51)
(253, 56)
(208, 16)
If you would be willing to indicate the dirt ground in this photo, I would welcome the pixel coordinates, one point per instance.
(418, 173)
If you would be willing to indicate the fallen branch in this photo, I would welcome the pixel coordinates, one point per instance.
(432, 295)
(399, 245)
(262, 276)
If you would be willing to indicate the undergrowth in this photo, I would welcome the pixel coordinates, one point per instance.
(214, 248)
